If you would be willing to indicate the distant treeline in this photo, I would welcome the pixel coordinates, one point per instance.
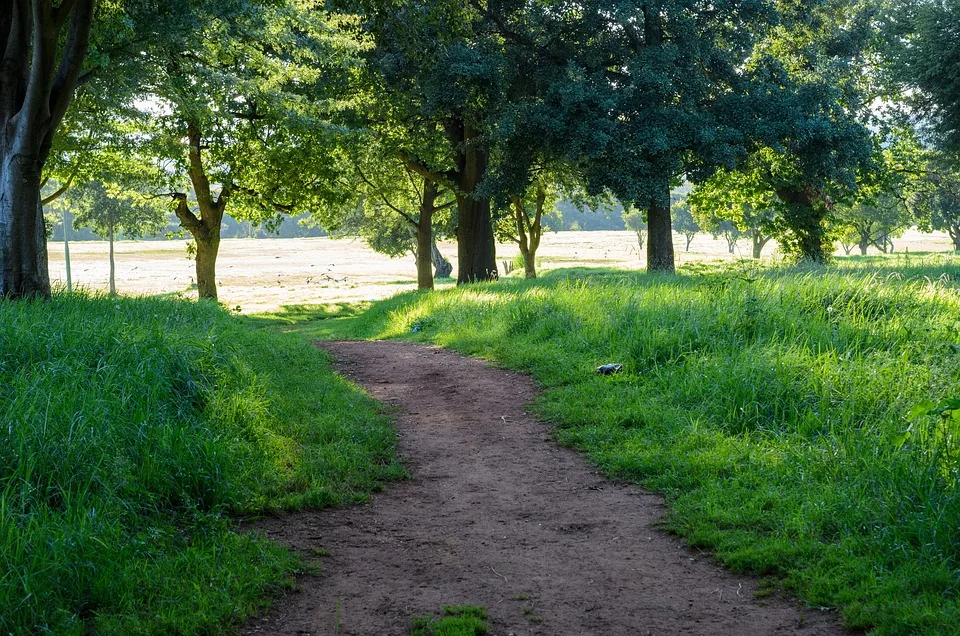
(566, 217)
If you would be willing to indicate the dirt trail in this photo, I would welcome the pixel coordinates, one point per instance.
(498, 515)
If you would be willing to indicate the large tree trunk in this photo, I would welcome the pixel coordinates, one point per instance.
(954, 232)
(42, 50)
(660, 257)
(864, 244)
(23, 238)
(476, 248)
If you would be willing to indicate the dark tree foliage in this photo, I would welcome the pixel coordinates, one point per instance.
(923, 46)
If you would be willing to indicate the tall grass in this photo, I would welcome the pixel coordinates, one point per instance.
(131, 431)
(770, 407)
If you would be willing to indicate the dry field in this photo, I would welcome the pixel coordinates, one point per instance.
(260, 275)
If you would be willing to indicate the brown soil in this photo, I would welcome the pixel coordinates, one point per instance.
(498, 515)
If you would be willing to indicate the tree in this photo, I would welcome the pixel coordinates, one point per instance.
(238, 113)
(738, 203)
(634, 220)
(108, 210)
(43, 48)
(664, 91)
(875, 222)
(923, 51)
(396, 210)
(436, 74)
(524, 223)
(937, 199)
(48, 50)
(683, 221)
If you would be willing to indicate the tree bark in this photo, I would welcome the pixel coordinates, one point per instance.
(442, 267)
(864, 244)
(23, 239)
(425, 245)
(476, 248)
(207, 250)
(759, 240)
(38, 75)
(660, 257)
(954, 232)
(689, 238)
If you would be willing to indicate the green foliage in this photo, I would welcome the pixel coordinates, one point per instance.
(683, 221)
(132, 429)
(456, 620)
(936, 200)
(101, 207)
(924, 52)
(768, 405)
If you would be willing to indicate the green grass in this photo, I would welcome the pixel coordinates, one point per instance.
(769, 406)
(133, 431)
(456, 620)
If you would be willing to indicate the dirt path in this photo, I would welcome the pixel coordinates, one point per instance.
(498, 515)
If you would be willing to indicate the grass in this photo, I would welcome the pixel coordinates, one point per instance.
(134, 431)
(456, 620)
(772, 407)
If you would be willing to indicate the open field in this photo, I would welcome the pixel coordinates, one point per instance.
(264, 274)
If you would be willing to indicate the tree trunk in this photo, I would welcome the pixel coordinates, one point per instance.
(43, 52)
(731, 244)
(689, 238)
(23, 238)
(441, 266)
(205, 228)
(660, 256)
(207, 249)
(424, 232)
(476, 249)
(529, 231)
(864, 244)
(759, 240)
(804, 213)
(113, 268)
(954, 232)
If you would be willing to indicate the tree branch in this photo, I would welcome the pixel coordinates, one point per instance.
(383, 198)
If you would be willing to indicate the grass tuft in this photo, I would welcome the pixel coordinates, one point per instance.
(455, 620)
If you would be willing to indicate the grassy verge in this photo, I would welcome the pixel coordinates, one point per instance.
(771, 407)
(132, 431)
(456, 620)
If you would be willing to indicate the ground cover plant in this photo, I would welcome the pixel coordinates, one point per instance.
(454, 620)
(789, 415)
(133, 430)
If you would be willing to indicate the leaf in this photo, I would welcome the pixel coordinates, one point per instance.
(920, 410)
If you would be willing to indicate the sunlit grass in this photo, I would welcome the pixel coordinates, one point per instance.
(131, 431)
(770, 407)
